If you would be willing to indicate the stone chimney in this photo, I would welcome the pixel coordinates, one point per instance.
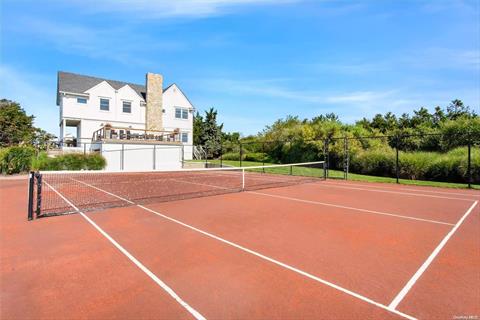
(154, 97)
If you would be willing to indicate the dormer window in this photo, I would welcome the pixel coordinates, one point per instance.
(104, 104)
(181, 113)
(82, 100)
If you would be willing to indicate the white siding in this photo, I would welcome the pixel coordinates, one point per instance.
(91, 118)
(173, 98)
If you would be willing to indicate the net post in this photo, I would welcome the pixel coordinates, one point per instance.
(243, 179)
(324, 170)
(30, 195)
(39, 178)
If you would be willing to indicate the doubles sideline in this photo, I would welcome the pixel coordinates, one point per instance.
(389, 186)
(394, 304)
(336, 185)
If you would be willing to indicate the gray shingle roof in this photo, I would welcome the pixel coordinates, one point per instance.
(77, 83)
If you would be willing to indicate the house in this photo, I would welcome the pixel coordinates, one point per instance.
(89, 106)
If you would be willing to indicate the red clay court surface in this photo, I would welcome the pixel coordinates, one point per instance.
(322, 250)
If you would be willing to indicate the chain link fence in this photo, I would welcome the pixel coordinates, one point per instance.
(401, 158)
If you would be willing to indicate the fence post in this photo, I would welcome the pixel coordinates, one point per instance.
(206, 156)
(241, 153)
(397, 167)
(221, 155)
(345, 158)
(326, 157)
(469, 163)
(263, 155)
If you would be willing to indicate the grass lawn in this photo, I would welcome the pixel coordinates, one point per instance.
(336, 174)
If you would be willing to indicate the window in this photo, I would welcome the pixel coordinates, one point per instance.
(82, 100)
(184, 137)
(127, 107)
(181, 113)
(104, 104)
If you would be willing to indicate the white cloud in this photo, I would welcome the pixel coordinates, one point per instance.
(33, 93)
(117, 44)
(148, 9)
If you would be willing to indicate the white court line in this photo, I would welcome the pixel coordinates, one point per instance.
(259, 255)
(350, 208)
(393, 305)
(407, 189)
(335, 185)
(329, 205)
(149, 273)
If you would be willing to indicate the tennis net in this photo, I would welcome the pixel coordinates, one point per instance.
(53, 192)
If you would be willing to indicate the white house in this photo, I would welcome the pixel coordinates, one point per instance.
(89, 105)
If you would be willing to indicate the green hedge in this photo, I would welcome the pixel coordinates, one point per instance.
(16, 159)
(250, 156)
(450, 166)
(20, 159)
(73, 161)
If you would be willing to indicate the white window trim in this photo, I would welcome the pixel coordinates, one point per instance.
(131, 106)
(181, 137)
(86, 100)
(100, 104)
(181, 115)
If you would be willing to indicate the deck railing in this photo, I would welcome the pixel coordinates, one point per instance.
(129, 134)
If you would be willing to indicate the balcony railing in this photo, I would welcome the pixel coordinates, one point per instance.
(119, 134)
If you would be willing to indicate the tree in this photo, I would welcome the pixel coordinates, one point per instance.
(438, 116)
(421, 117)
(42, 139)
(198, 138)
(211, 133)
(16, 127)
(457, 109)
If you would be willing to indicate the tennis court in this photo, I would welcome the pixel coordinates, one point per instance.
(265, 242)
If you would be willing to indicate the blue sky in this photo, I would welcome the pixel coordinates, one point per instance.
(253, 60)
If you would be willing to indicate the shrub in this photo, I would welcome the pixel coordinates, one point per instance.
(415, 165)
(232, 156)
(375, 162)
(73, 161)
(448, 167)
(16, 159)
(256, 156)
